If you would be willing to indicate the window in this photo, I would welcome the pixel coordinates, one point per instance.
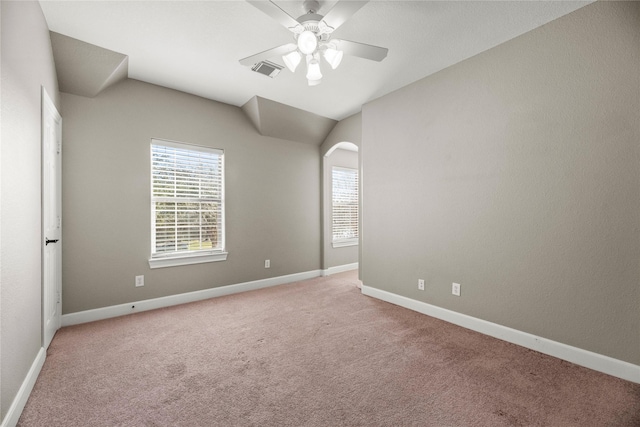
(344, 206)
(187, 204)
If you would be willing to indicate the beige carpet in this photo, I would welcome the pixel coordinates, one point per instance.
(312, 353)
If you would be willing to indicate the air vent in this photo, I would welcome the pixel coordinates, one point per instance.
(267, 68)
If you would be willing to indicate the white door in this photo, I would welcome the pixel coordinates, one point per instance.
(51, 219)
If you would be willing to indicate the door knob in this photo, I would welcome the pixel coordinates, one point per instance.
(47, 241)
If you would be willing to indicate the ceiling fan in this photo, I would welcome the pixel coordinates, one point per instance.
(312, 35)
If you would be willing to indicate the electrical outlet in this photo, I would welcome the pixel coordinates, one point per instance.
(139, 281)
(421, 284)
(267, 263)
(455, 289)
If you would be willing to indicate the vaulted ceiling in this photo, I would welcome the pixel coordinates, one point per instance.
(195, 46)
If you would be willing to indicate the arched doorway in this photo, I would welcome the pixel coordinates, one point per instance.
(340, 166)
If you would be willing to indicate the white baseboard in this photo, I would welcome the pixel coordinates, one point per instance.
(588, 359)
(339, 269)
(151, 304)
(15, 410)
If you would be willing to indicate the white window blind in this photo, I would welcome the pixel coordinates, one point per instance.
(187, 200)
(344, 205)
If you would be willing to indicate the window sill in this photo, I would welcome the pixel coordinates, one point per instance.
(174, 261)
(344, 243)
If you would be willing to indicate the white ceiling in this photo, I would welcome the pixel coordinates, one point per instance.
(194, 46)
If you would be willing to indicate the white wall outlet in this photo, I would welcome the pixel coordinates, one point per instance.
(267, 263)
(455, 289)
(421, 284)
(139, 281)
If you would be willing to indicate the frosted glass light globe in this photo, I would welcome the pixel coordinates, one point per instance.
(333, 57)
(313, 70)
(307, 42)
(291, 60)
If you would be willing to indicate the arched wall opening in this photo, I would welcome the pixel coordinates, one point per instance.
(338, 255)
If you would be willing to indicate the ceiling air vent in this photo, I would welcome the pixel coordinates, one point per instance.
(267, 68)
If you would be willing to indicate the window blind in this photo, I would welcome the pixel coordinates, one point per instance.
(344, 204)
(187, 199)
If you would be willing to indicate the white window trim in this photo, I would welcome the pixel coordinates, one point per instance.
(199, 257)
(194, 258)
(344, 243)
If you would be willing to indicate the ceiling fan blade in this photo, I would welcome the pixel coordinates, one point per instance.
(275, 12)
(341, 12)
(276, 51)
(362, 50)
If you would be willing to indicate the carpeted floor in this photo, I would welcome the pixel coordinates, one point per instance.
(311, 353)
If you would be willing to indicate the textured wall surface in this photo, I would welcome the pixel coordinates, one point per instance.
(515, 173)
(27, 66)
(272, 196)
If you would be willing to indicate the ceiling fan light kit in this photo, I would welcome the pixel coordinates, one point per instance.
(312, 33)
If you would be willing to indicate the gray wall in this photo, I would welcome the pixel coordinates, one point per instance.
(516, 174)
(334, 257)
(27, 65)
(272, 196)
